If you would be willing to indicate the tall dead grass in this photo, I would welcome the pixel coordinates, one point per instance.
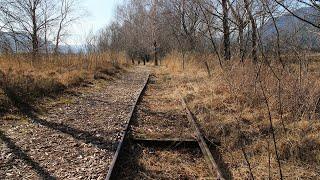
(232, 107)
(193, 63)
(23, 80)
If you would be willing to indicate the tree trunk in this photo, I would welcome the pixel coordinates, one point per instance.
(254, 40)
(34, 35)
(226, 31)
(241, 42)
(155, 54)
(56, 48)
(254, 31)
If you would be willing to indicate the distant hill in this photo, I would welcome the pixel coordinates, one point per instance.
(294, 32)
(14, 43)
(21, 43)
(72, 48)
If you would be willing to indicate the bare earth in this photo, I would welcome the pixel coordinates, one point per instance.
(77, 135)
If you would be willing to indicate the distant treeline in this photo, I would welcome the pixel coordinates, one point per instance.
(242, 29)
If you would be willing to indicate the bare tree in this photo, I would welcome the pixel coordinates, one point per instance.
(226, 30)
(65, 19)
(209, 18)
(154, 15)
(184, 20)
(254, 38)
(37, 20)
(239, 13)
(28, 18)
(48, 9)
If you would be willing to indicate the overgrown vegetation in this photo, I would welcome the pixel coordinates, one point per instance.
(236, 107)
(24, 81)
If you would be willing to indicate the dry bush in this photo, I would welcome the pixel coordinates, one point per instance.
(231, 107)
(298, 103)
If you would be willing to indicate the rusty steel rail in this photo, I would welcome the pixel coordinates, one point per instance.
(213, 166)
(125, 131)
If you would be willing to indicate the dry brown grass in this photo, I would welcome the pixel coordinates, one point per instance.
(24, 80)
(158, 163)
(231, 108)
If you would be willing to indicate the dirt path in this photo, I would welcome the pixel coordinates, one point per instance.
(76, 137)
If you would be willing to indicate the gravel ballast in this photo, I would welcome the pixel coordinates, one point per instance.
(77, 135)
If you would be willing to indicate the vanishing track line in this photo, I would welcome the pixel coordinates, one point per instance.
(198, 142)
(125, 132)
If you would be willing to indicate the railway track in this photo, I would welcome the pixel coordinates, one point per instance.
(197, 143)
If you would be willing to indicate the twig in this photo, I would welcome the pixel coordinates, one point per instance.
(269, 159)
(272, 129)
(248, 162)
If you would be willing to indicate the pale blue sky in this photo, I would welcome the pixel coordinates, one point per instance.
(99, 14)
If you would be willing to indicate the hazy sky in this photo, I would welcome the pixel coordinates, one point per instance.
(100, 13)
